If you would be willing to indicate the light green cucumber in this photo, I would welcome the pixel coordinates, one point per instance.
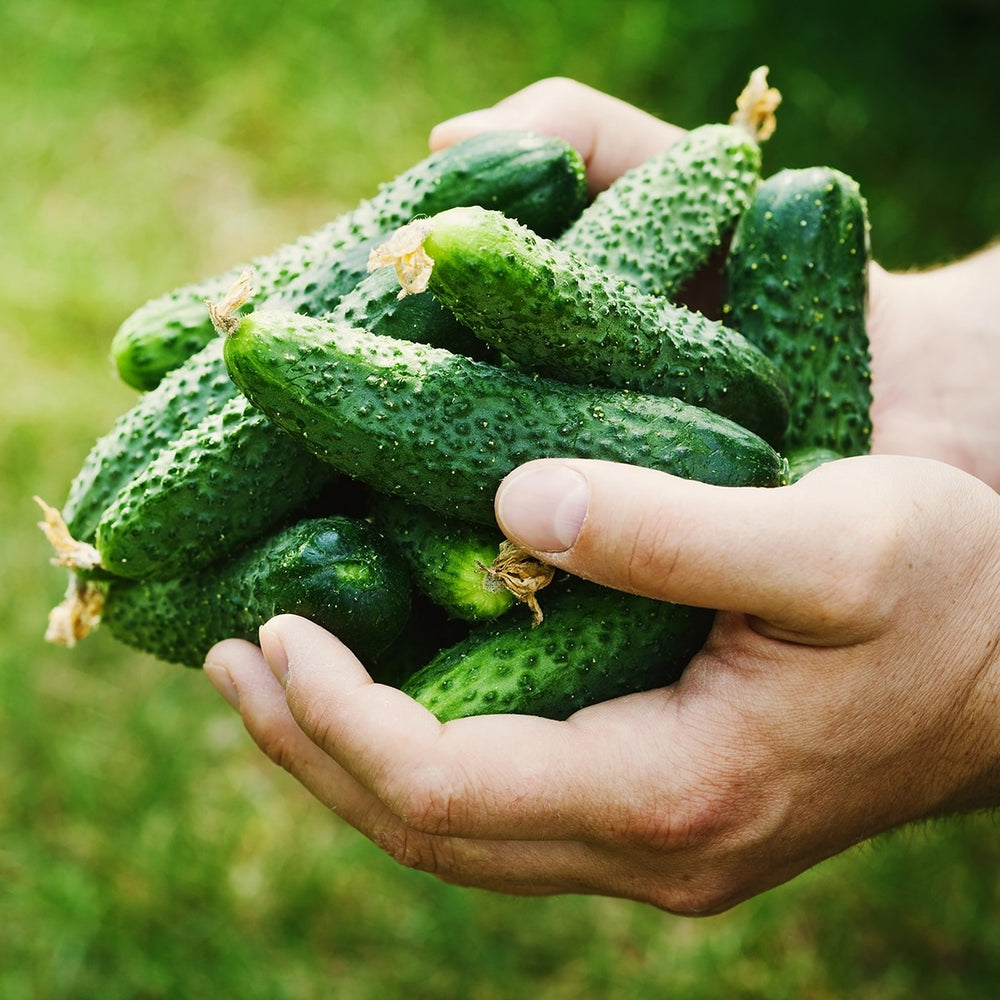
(447, 557)
(660, 223)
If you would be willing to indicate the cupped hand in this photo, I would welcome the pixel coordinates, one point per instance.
(849, 685)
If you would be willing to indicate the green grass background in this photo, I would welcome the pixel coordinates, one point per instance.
(147, 850)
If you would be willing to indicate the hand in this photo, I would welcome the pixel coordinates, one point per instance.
(849, 685)
(935, 335)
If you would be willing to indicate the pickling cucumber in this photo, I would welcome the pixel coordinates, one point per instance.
(659, 223)
(537, 179)
(339, 572)
(797, 286)
(447, 557)
(555, 313)
(217, 486)
(594, 644)
(441, 429)
(199, 387)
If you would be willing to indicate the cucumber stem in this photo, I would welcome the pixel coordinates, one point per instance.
(405, 252)
(78, 614)
(520, 573)
(69, 552)
(756, 105)
(223, 312)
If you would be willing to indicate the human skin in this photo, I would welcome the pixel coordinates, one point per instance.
(850, 683)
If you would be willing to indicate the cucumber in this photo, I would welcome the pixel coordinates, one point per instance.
(659, 223)
(441, 429)
(796, 281)
(559, 315)
(594, 644)
(537, 179)
(199, 387)
(806, 459)
(194, 488)
(447, 558)
(338, 571)
(217, 486)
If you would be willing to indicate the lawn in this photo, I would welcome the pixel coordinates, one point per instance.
(147, 850)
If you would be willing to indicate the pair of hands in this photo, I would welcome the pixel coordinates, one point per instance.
(850, 683)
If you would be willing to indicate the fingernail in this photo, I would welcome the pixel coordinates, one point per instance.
(274, 652)
(223, 683)
(543, 505)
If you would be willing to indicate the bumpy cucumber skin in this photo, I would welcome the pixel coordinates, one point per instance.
(557, 314)
(218, 485)
(199, 387)
(375, 305)
(337, 571)
(537, 179)
(594, 644)
(797, 286)
(446, 557)
(440, 429)
(660, 222)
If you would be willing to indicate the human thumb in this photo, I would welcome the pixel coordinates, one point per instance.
(762, 551)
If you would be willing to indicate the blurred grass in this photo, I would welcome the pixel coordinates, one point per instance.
(146, 849)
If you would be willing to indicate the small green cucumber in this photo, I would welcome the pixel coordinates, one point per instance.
(555, 313)
(537, 179)
(447, 558)
(594, 644)
(235, 474)
(199, 387)
(659, 223)
(797, 286)
(441, 429)
(337, 571)
(806, 459)
(217, 486)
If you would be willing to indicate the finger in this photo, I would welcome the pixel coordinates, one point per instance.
(610, 134)
(472, 778)
(815, 559)
(240, 672)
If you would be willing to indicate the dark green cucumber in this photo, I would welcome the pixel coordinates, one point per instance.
(537, 179)
(797, 286)
(220, 484)
(337, 571)
(441, 429)
(447, 558)
(199, 387)
(559, 315)
(593, 645)
(375, 305)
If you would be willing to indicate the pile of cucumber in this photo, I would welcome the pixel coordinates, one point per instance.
(322, 432)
